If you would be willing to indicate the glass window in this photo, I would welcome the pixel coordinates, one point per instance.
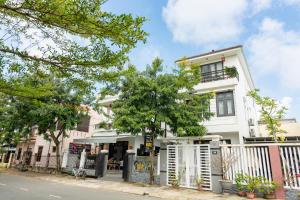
(39, 154)
(225, 104)
(212, 72)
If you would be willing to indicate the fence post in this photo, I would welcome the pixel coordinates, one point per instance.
(216, 166)
(65, 160)
(128, 165)
(163, 164)
(3, 157)
(277, 171)
(11, 155)
(82, 159)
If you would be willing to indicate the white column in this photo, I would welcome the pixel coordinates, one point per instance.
(82, 159)
(65, 160)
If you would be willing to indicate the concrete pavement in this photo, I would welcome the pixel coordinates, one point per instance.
(15, 187)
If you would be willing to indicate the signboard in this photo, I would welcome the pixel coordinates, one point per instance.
(148, 143)
(78, 148)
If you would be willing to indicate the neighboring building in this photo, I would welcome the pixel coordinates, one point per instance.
(291, 126)
(37, 145)
(235, 112)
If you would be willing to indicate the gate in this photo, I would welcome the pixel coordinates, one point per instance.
(187, 163)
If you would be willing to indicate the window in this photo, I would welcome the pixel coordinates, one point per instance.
(39, 154)
(212, 72)
(53, 149)
(19, 153)
(225, 104)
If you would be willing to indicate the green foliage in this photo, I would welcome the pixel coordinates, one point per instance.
(267, 187)
(51, 115)
(271, 114)
(74, 39)
(240, 179)
(252, 183)
(231, 72)
(149, 99)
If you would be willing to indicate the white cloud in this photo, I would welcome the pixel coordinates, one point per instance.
(209, 22)
(204, 22)
(276, 50)
(286, 102)
(259, 5)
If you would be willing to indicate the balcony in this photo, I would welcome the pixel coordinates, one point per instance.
(214, 76)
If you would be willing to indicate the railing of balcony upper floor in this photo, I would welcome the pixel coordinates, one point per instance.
(214, 76)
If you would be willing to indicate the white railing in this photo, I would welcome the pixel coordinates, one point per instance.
(187, 163)
(290, 163)
(252, 160)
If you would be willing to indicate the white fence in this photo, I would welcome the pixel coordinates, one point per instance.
(290, 163)
(254, 160)
(187, 163)
(246, 159)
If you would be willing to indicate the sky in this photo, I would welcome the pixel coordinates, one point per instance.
(269, 31)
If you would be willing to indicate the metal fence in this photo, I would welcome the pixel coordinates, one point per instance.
(252, 160)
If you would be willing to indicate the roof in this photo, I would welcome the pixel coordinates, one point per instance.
(211, 52)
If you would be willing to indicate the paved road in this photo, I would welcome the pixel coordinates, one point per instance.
(13, 187)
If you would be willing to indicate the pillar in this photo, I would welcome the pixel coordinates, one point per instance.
(82, 159)
(3, 157)
(277, 170)
(216, 166)
(11, 155)
(128, 165)
(65, 160)
(163, 164)
(101, 162)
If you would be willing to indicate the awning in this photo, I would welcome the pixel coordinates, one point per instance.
(96, 140)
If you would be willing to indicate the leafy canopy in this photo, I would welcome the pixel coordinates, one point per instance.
(271, 114)
(151, 98)
(72, 39)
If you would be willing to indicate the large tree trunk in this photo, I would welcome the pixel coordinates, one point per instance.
(58, 166)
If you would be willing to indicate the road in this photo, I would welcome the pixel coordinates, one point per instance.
(13, 187)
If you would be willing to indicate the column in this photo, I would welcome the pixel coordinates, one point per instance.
(163, 163)
(216, 166)
(128, 165)
(277, 170)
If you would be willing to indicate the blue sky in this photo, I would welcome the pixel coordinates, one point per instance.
(269, 30)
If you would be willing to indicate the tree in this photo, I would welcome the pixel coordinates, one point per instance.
(150, 98)
(50, 116)
(72, 38)
(271, 113)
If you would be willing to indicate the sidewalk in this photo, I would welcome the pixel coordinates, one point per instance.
(133, 188)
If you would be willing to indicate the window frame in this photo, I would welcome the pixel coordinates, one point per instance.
(39, 154)
(225, 104)
(212, 75)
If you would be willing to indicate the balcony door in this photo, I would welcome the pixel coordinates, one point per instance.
(212, 72)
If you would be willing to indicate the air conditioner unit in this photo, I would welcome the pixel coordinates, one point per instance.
(251, 122)
(252, 132)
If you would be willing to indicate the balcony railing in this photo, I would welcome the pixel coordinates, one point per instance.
(214, 76)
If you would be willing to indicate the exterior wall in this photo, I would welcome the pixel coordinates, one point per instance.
(72, 134)
(290, 126)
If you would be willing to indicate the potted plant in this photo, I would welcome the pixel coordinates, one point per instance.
(231, 72)
(240, 184)
(227, 161)
(199, 182)
(268, 189)
(252, 184)
(176, 182)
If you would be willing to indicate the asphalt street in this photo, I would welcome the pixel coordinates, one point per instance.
(13, 187)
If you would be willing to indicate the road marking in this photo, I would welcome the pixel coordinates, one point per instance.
(54, 196)
(24, 189)
(2, 184)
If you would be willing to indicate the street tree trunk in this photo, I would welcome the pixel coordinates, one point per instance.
(152, 154)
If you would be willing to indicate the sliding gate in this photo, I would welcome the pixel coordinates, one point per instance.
(188, 163)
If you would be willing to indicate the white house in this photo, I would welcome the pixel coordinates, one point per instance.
(235, 112)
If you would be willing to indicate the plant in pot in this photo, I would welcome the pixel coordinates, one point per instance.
(228, 160)
(199, 182)
(252, 184)
(176, 182)
(268, 189)
(240, 184)
(231, 72)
